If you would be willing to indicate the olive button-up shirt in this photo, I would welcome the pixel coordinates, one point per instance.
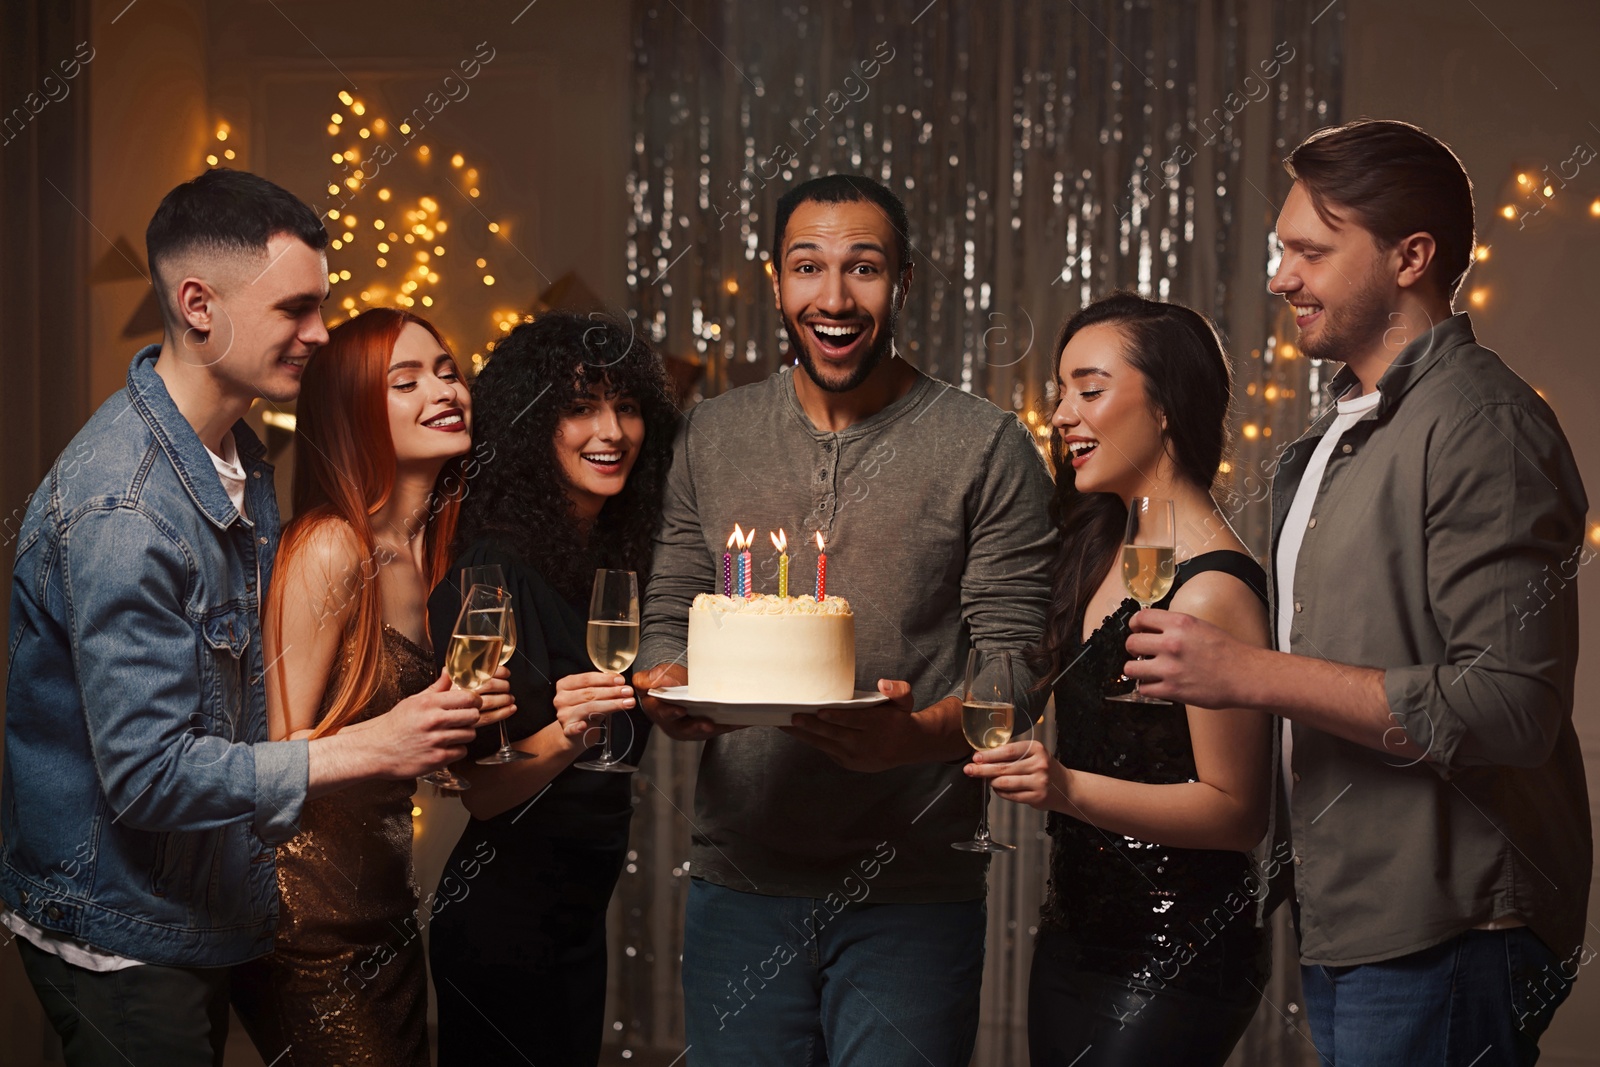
(1446, 537)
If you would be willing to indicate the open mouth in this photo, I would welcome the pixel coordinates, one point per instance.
(1305, 314)
(448, 421)
(298, 363)
(1078, 451)
(837, 340)
(604, 462)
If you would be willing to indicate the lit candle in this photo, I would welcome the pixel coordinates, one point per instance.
(744, 562)
(822, 569)
(727, 563)
(738, 573)
(781, 542)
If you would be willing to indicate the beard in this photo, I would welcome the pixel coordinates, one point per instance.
(882, 346)
(1353, 327)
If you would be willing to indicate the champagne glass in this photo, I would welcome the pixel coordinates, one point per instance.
(473, 655)
(987, 718)
(1149, 563)
(486, 574)
(508, 646)
(613, 643)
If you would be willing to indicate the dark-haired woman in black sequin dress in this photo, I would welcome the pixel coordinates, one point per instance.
(1151, 948)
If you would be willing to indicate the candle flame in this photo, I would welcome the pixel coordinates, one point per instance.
(747, 540)
(780, 541)
(819, 541)
(735, 537)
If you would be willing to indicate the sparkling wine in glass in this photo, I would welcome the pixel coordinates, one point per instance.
(508, 647)
(473, 655)
(1149, 563)
(613, 641)
(988, 716)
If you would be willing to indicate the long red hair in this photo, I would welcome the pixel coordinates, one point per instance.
(344, 471)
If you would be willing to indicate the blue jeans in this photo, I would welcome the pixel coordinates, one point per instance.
(1482, 997)
(788, 981)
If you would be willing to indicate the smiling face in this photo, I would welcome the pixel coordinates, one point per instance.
(837, 288)
(430, 410)
(597, 443)
(1334, 275)
(253, 320)
(1114, 436)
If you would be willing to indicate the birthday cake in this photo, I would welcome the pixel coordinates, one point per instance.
(765, 649)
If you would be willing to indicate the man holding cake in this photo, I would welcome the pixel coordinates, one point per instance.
(823, 870)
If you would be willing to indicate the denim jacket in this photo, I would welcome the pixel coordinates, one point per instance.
(141, 797)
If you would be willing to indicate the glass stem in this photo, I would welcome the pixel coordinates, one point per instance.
(983, 814)
(505, 744)
(606, 755)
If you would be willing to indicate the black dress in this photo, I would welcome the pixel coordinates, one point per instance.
(518, 943)
(1146, 953)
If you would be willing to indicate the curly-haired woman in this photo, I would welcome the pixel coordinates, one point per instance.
(573, 423)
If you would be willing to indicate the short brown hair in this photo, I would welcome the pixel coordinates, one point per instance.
(1395, 179)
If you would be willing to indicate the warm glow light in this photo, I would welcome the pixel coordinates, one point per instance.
(731, 285)
(344, 276)
(379, 125)
(1523, 179)
(383, 194)
(1594, 532)
(1225, 467)
(1594, 208)
(488, 279)
(1508, 212)
(405, 127)
(222, 132)
(359, 108)
(433, 278)
(820, 546)
(337, 244)
(1481, 253)
(1250, 390)
(228, 154)
(332, 128)
(336, 118)
(1479, 297)
(338, 157)
(382, 262)
(429, 204)
(457, 160)
(211, 160)
(1271, 392)
(345, 98)
(333, 213)
(494, 227)
(1251, 431)
(427, 301)
(438, 250)
(364, 132)
(383, 246)
(423, 152)
(1033, 417)
(1287, 351)
(415, 811)
(473, 191)
(780, 541)
(482, 262)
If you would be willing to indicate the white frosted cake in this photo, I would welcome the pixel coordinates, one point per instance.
(768, 649)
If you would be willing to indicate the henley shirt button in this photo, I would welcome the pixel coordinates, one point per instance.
(1299, 607)
(263, 540)
(54, 912)
(1347, 448)
(1312, 525)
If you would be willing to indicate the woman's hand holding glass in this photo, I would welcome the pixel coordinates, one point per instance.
(583, 700)
(1023, 773)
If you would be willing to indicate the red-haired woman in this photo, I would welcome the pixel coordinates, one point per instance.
(384, 427)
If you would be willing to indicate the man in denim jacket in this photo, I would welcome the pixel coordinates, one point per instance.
(141, 798)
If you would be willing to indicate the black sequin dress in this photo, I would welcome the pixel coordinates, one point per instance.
(1148, 915)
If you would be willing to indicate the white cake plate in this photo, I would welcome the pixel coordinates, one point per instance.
(743, 713)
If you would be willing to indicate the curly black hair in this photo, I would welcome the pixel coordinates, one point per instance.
(518, 496)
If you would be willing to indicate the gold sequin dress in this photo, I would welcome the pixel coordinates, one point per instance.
(346, 982)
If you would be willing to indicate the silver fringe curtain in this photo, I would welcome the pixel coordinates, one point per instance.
(1048, 153)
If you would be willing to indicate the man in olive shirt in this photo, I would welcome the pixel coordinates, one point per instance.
(829, 918)
(1439, 809)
